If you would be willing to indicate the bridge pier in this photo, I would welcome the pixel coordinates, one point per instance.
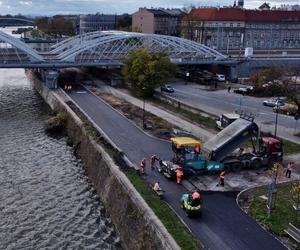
(50, 78)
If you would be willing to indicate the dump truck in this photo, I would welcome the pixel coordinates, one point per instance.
(221, 147)
(218, 153)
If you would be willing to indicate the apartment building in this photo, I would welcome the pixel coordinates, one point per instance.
(237, 28)
(157, 21)
(90, 23)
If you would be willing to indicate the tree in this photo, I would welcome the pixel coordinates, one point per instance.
(56, 26)
(145, 71)
(125, 23)
(188, 22)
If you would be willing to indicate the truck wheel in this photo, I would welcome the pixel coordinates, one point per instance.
(256, 164)
(236, 167)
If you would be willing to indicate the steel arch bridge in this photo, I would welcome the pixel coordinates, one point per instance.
(107, 48)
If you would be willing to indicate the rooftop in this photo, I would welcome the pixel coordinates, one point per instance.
(246, 15)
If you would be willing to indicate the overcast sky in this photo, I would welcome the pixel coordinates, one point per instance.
(52, 7)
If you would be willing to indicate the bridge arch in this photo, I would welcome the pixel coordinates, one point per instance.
(32, 54)
(116, 45)
(29, 21)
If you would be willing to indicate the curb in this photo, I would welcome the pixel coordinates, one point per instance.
(256, 187)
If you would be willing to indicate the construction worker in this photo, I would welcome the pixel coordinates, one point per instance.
(289, 169)
(156, 187)
(197, 149)
(179, 174)
(143, 165)
(152, 161)
(196, 198)
(222, 178)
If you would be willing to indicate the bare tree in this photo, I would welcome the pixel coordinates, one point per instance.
(188, 22)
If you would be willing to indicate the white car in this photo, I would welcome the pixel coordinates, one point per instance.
(221, 78)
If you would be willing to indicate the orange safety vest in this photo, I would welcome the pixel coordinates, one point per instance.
(222, 175)
(179, 172)
(197, 148)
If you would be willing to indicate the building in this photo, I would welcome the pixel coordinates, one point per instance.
(157, 21)
(90, 23)
(237, 28)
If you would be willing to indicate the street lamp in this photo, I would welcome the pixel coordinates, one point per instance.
(144, 102)
(276, 119)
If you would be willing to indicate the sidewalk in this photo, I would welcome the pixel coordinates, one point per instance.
(200, 133)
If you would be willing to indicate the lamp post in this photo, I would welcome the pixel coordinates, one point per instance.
(144, 102)
(276, 119)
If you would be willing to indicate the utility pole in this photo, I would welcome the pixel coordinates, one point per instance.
(276, 120)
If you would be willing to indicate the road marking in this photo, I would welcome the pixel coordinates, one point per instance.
(81, 92)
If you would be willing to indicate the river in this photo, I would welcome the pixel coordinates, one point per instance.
(46, 201)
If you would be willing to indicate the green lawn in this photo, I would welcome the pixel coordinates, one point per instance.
(280, 217)
(170, 220)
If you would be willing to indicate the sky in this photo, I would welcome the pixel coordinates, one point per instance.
(53, 7)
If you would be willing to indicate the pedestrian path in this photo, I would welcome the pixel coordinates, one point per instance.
(195, 130)
(239, 230)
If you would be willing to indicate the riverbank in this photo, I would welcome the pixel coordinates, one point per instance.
(127, 209)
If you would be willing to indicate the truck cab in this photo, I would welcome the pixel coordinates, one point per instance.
(271, 148)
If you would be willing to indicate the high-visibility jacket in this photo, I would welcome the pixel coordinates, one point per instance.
(197, 149)
(156, 187)
(179, 172)
(222, 175)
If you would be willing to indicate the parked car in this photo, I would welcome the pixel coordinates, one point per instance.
(244, 90)
(274, 102)
(167, 88)
(220, 78)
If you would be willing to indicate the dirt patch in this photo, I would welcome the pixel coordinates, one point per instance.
(155, 125)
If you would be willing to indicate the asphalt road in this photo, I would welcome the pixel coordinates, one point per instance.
(218, 102)
(222, 226)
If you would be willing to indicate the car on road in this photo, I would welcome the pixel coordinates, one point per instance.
(244, 90)
(220, 78)
(167, 88)
(274, 102)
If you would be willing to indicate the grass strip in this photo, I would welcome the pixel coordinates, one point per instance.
(166, 215)
(280, 217)
(204, 121)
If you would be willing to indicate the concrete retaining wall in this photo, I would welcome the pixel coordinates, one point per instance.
(137, 225)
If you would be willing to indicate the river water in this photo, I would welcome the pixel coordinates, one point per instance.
(46, 201)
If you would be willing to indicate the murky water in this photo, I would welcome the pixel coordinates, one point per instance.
(46, 201)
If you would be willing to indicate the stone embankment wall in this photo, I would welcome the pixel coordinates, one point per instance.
(135, 222)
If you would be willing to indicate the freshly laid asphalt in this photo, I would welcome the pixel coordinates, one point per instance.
(223, 224)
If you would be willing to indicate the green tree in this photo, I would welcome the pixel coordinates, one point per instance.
(55, 26)
(125, 23)
(145, 71)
